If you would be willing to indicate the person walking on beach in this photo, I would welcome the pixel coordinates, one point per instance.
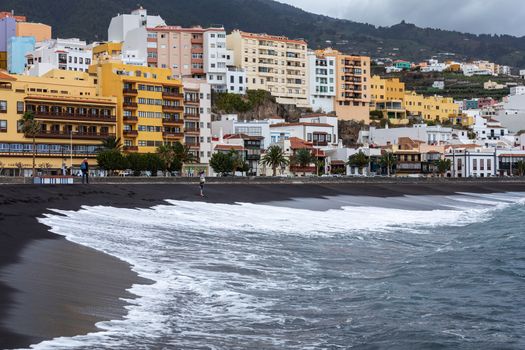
(84, 168)
(202, 181)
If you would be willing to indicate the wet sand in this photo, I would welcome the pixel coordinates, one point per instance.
(50, 287)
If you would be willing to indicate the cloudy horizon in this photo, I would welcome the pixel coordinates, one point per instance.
(472, 16)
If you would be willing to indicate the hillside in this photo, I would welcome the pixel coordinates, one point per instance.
(89, 20)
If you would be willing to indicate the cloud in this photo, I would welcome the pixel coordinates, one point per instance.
(474, 16)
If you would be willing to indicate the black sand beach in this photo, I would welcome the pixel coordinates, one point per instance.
(50, 287)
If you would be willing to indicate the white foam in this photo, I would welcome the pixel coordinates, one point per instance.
(200, 284)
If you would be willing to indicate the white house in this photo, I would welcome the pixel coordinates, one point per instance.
(322, 89)
(320, 130)
(472, 161)
(421, 132)
(236, 80)
(66, 54)
(230, 124)
(517, 90)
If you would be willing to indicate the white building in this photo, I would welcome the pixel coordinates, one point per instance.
(236, 80)
(320, 130)
(322, 89)
(517, 90)
(130, 29)
(434, 135)
(201, 130)
(472, 161)
(434, 66)
(439, 84)
(230, 124)
(66, 54)
(504, 70)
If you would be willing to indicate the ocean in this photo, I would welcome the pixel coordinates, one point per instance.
(413, 272)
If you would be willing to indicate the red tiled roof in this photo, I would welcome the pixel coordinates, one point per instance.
(229, 147)
(297, 143)
(5, 76)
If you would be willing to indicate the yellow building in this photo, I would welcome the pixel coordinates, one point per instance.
(70, 112)
(40, 31)
(150, 104)
(432, 108)
(107, 51)
(273, 63)
(387, 96)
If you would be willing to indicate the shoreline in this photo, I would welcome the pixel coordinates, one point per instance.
(23, 240)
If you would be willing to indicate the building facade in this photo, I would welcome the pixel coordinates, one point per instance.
(322, 86)
(17, 48)
(273, 63)
(73, 118)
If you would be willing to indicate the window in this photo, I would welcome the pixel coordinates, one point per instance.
(3, 125)
(19, 107)
(3, 106)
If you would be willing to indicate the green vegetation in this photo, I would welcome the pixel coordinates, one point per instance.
(520, 167)
(443, 165)
(228, 163)
(90, 19)
(235, 103)
(275, 158)
(303, 158)
(30, 127)
(388, 160)
(359, 160)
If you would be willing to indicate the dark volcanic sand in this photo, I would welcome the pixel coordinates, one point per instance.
(64, 288)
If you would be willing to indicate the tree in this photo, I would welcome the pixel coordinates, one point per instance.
(275, 158)
(31, 127)
(388, 160)
(153, 163)
(359, 160)
(166, 154)
(136, 162)
(303, 158)
(221, 163)
(111, 160)
(183, 155)
(520, 166)
(443, 165)
(111, 143)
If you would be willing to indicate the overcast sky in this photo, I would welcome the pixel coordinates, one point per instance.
(473, 16)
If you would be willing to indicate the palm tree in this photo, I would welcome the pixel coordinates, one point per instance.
(275, 158)
(358, 160)
(443, 165)
(388, 160)
(236, 161)
(166, 154)
(111, 143)
(303, 158)
(183, 153)
(520, 166)
(31, 127)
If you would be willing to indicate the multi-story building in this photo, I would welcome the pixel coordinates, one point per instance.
(230, 124)
(322, 73)
(149, 104)
(197, 121)
(17, 48)
(74, 120)
(272, 63)
(353, 89)
(321, 130)
(131, 31)
(66, 54)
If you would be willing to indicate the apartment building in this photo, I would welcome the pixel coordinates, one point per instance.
(150, 104)
(319, 129)
(322, 86)
(273, 63)
(435, 108)
(66, 54)
(353, 95)
(74, 120)
(197, 121)
(387, 97)
(131, 31)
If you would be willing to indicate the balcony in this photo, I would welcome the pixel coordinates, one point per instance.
(130, 105)
(131, 119)
(192, 116)
(172, 135)
(172, 108)
(172, 121)
(131, 148)
(48, 134)
(76, 116)
(195, 101)
(130, 133)
(192, 130)
(193, 144)
(199, 40)
(171, 95)
(130, 91)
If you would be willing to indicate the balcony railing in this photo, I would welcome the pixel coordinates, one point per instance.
(131, 133)
(193, 101)
(131, 119)
(130, 105)
(76, 135)
(172, 121)
(131, 148)
(170, 95)
(176, 135)
(172, 108)
(130, 91)
(76, 116)
(193, 144)
(191, 116)
(192, 129)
